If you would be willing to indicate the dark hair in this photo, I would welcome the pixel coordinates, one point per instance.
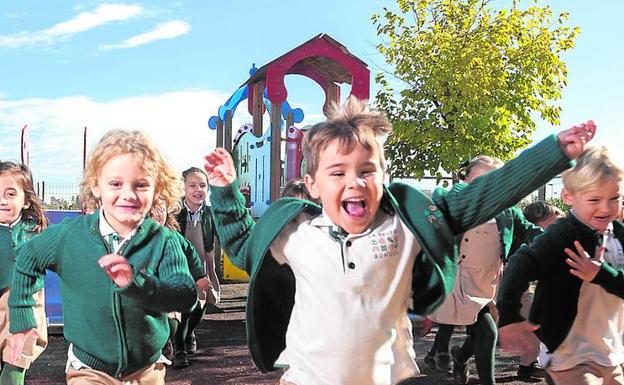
(193, 170)
(297, 189)
(538, 211)
(34, 211)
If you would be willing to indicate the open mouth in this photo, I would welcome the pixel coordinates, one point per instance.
(354, 207)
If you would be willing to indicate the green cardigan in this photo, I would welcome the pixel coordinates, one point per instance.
(556, 296)
(114, 330)
(10, 239)
(434, 222)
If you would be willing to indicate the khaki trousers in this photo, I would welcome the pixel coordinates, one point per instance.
(588, 373)
(150, 375)
(33, 347)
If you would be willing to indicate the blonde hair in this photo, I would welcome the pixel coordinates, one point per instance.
(352, 124)
(478, 161)
(34, 211)
(168, 186)
(594, 166)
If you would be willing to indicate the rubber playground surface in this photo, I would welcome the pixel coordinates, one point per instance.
(222, 356)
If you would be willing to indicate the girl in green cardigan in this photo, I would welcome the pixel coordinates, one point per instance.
(120, 272)
(21, 217)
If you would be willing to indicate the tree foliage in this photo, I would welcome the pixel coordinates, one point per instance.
(466, 79)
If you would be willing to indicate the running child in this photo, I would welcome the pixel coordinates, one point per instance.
(360, 258)
(120, 272)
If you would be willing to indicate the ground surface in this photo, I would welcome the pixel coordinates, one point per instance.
(222, 356)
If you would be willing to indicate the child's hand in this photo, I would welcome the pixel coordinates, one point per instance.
(16, 342)
(518, 337)
(203, 284)
(117, 268)
(220, 168)
(574, 140)
(582, 264)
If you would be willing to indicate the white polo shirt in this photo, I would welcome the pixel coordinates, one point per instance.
(349, 323)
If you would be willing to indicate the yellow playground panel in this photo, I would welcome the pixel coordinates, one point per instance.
(232, 272)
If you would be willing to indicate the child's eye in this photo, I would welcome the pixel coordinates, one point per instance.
(337, 173)
(114, 183)
(142, 185)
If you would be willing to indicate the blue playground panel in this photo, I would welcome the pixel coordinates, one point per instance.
(53, 306)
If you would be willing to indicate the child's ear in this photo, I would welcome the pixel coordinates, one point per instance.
(566, 196)
(311, 186)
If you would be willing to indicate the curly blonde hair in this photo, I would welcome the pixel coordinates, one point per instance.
(351, 124)
(168, 186)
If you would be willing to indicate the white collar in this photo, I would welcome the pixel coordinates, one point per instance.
(106, 229)
(12, 224)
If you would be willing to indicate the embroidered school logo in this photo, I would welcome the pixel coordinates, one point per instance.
(384, 244)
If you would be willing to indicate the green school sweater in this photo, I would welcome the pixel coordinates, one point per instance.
(114, 330)
(434, 222)
(10, 239)
(555, 303)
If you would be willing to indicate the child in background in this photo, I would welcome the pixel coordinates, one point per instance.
(359, 259)
(164, 217)
(543, 215)
(196, 225)
(296, 188)
(482, 251)
(21, 217)
(578, 310)
(120, 272)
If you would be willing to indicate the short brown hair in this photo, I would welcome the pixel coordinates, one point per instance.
(351, 124)
(168, 186)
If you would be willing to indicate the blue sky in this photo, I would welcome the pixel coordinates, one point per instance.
(165, 67)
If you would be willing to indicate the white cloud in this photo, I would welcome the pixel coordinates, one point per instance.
(104, 14)
(168, 30)
(177, 121)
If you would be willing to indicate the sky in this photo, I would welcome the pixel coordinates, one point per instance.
(166, 66)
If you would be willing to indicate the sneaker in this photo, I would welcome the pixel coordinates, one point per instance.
(167, 350)
(190, 343)
(531, 371)
(180, 360)
(460, 370)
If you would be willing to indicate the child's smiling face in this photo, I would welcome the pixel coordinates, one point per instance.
(126, 192)
(597, 206)
(195, 190)
(12, 199)
(350, 186)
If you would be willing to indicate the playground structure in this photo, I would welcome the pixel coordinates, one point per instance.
(258, 152)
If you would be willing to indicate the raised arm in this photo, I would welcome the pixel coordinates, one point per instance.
(468, 205)
(233, 222)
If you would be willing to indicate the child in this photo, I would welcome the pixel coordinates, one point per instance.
(164, 217)
(196, 225)
(482, 251)
(120, 272)
(542, 214)
(296, 188)
(359, 259)
(21, 217)
(578, 310)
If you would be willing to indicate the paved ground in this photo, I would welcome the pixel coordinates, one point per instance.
(222, 357)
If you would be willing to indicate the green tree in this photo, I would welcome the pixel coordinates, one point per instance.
(466, 79)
